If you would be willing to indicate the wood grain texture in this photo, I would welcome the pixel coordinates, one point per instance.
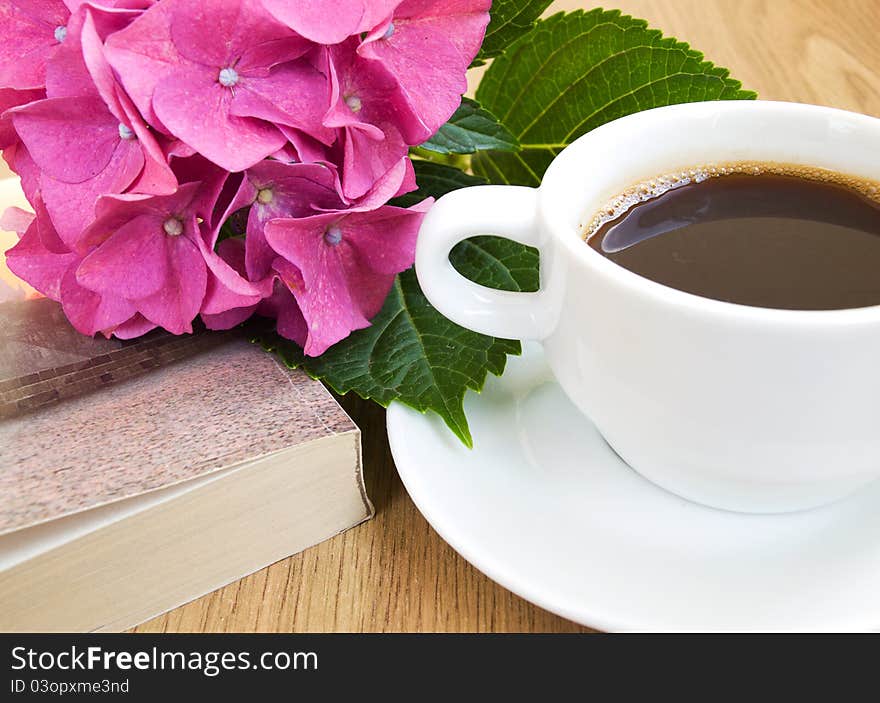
(394, 573)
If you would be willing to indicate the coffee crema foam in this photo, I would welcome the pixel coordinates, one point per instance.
(657, 186)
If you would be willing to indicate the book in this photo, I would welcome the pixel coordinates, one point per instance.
(136, 476)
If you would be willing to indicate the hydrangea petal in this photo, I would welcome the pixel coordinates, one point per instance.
(363, 92)
(326, 300)
(132, 263)
(72, 205)
(176, 304)
(306, 149)
(227, 319)
(312, 18)
(366, 161)
(66, 72)
(232, 252)
(428, 52)
(296, 191)
(46, 229)
(90, 312)
(36, 264)
(408, 183)
(203, 182)
(116, 5)
(99, 70)
(257, 59)
(142, 54)
(223, 306)
(366, 104)
(228, 286)
(385, 239)
(217, 32)
(372, 287)
(282, 305)
(258, 255)
(70, 139)
(232, 142)
(294, 94)
(219, 298)
(156, 177)
(398, 179)
(113, 211)
(135, 326)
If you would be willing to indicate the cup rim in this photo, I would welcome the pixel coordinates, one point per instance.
(637, 284)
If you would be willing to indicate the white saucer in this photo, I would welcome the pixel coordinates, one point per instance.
(544, 507)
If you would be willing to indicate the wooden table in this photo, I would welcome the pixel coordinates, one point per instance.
(394, 573)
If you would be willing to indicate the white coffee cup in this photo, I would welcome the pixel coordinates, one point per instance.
(737, 407)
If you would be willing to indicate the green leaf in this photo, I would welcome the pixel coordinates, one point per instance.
(410, 353)
(497, 263)
(470, 129)
(510, 19)
(577, 71)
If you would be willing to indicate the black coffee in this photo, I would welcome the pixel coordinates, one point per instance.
(764, 235)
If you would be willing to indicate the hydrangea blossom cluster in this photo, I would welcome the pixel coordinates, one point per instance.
(220, 158)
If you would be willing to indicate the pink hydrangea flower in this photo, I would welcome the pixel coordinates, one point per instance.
(150, 251)
(273, 189)
(139, 128)
(370, 114)
(301, 203)
(344, 266)
(32, 29)
(269, 190)
(220, 75)
(230, 298)
(427, 46)
(87, 138)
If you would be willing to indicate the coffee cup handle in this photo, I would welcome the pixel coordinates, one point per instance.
(506, 211)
